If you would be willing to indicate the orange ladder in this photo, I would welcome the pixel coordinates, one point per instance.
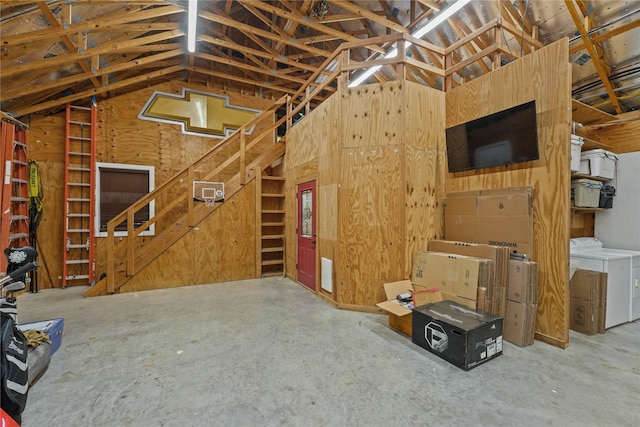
(14, 231)
(79, 195)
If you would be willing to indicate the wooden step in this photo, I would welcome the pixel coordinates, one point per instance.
(275, 195)
(272, 178)
(272, 274)
(273, 224)
(273, 262)
(273, 211)
(271, 250)
(272, 236)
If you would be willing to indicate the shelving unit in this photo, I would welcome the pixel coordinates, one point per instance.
(271, 225)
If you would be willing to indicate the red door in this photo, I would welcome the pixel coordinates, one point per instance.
(307, 234)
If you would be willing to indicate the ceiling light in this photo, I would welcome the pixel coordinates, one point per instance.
(191, 28)
(418, 34)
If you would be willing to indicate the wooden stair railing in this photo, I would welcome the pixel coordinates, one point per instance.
(176, 211)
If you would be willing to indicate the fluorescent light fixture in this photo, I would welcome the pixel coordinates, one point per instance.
(191, 28)
(437, 20)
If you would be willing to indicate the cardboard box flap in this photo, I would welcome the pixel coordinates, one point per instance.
(393, 289)
(394, 307)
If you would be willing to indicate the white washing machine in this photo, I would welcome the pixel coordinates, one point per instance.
(623, 277)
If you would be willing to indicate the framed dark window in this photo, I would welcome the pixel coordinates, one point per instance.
(119, 186)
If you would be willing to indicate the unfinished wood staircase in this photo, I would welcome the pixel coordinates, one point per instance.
(177, 212)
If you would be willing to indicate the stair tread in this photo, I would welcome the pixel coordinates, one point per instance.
(273, 224)
(273, 262)
(269, 250)
(272, 273)
(273, 236)
(272, 195)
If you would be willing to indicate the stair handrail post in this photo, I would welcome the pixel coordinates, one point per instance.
(190, 201)
(243, 161)
(111, 262)
(130, 243)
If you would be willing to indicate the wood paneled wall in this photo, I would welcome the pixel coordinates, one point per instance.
(545, 76)
(220, 249)
(374, 151)
(121, 138)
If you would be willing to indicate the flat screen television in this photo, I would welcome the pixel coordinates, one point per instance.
(502, 138)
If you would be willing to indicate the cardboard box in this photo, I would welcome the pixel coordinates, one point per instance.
(584, 316)
(520, 323)
(498, 217)
(462, 336)
(499, 255)
(452, 274)
(588, 301)
(523, 282)
(400, 315)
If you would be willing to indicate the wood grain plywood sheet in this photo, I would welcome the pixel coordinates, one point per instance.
(225, 242)
(423, 116)
(547, 76)
(619, 138)
(220, 249)
(370, 223)
(422, 202)
(372, 115)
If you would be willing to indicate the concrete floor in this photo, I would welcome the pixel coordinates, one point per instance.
(269, 353)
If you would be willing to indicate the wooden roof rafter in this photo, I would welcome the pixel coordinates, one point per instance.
(602, 68)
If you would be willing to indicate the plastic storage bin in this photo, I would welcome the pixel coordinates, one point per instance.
(607, 193)
(51, 327)
(585, 193)
(576, 148)
(599, 162)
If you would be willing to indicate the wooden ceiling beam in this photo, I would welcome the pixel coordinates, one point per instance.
(236, 64)
(106, 49)
(57, 103)
(303, 20)
(114, 18)
(606, 35)
(371, 16)
(601, 67)
(239, 79)
(53, 22)
(431, 5)
(243, 49)
(71, 80)
(214, 17)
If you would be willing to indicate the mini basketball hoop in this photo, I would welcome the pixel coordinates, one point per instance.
(208, 192)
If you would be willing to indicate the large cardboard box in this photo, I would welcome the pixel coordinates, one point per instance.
(588, 301)
(520, 323)
(499, 255)
(452, 274)
(498, 217)
(460, 335)
(523, 282)
(400, 315)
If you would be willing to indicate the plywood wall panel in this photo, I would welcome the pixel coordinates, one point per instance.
(121, 138)
(423, 116)
(422, 202)
(369, 225)
(372, 115)
(547, 76)
(619, 138)
(220, 249)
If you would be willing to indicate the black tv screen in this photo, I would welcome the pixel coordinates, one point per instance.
(502, 138)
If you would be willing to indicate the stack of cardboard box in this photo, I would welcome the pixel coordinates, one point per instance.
(522, 303)
(496, 293)
(457, 277)
(588, 301)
